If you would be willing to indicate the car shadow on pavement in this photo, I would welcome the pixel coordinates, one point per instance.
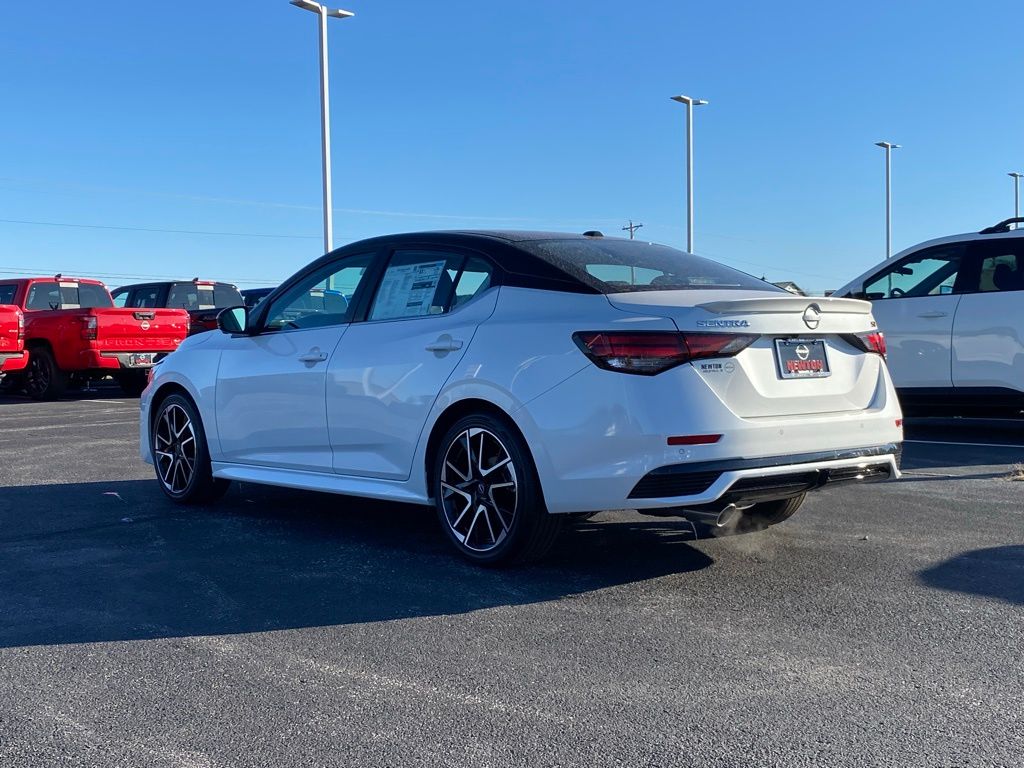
(993, 572)
(115, 561)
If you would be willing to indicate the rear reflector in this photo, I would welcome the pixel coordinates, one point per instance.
(694, 439)
(651, 352)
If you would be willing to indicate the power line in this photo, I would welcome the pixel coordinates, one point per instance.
(155, 229)
(302, 207)
(33, 271)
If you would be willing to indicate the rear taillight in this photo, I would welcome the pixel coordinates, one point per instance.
(89, 327)
(651, 352)
(21, 327)
(872, 341)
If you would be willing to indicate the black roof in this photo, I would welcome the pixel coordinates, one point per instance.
(521, 235)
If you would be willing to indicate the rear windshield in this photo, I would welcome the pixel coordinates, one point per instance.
(66, 295)
(203, 296)
(619, 266)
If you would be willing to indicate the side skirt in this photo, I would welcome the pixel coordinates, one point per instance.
(369, 487)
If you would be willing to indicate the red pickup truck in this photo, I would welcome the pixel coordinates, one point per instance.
(73, 333)
(13, 356)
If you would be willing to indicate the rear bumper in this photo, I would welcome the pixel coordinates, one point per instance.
(596, 437)
(749, 481)
(122, 360)
(13, 361)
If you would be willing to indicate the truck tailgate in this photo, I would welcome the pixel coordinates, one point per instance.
(137, 330)
(11, 330)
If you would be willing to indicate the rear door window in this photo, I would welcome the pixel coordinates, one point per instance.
(417, 283)
(1001, 265)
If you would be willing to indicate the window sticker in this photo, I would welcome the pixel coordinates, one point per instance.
(407, 290)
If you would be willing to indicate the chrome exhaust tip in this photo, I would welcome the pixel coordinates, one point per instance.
(728, 516)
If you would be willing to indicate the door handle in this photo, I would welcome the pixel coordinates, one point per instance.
(313, 356)
(933, 314)
(444, 344)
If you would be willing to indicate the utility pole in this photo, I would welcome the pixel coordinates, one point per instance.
(632, 228)
(325, 107)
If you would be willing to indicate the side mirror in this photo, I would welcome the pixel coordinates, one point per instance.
(233, 320)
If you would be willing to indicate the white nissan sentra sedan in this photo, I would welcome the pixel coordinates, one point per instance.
(514, 379)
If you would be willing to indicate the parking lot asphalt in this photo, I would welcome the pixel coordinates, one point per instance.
(881, 626)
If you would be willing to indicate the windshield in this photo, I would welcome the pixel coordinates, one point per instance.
(618, 266)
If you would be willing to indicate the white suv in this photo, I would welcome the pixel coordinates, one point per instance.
(952, 310)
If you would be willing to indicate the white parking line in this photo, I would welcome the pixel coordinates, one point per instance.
(973, 445)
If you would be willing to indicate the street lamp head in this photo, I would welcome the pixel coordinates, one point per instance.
(689, 101)
(309, 5)
(887, 145)
(1016, 175)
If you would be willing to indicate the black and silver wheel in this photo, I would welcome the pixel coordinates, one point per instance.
(180, 455)
(44, 380)
(488, 496)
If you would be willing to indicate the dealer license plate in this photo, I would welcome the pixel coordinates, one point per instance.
(140, 360)
(801, 358)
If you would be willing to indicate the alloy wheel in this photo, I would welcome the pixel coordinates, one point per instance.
(38, 379)
(479, 489)
(175, 449)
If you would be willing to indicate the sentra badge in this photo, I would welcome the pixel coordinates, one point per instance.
(723, 323)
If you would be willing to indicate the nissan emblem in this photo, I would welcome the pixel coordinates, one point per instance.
(812, 316)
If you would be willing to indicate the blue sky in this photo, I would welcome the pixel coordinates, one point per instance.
(203, 118)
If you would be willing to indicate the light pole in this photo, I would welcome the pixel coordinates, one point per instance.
(1016, 194)
(888, 147)
(325, 107)
(690, 104)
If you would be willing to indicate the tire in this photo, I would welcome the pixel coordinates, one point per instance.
(180, 454)
(44, 380)
(488, 496)
(132, 382)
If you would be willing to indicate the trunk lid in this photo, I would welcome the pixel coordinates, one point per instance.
(778, 374)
